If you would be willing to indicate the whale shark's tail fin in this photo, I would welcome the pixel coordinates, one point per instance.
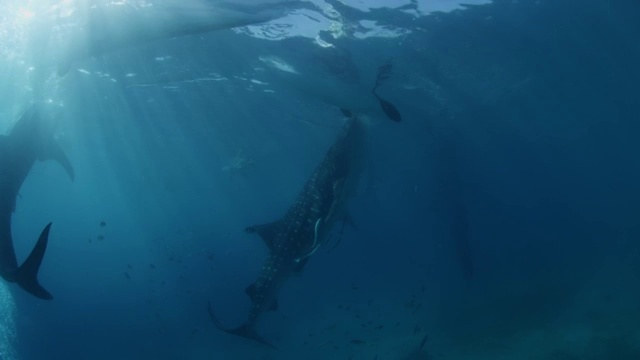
(27, 275)
(246, 330)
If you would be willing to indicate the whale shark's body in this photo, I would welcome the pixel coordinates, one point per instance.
(27, 142)
(306, 225)
(95, 29)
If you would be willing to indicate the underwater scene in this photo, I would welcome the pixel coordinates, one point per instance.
(320, 179)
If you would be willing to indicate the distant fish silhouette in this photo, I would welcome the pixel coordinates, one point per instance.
(384, 72)
(424, 341)
(389, 109)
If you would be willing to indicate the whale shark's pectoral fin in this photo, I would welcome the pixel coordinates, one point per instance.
(268, 232)
(27, 274)
(53, 151)
(246, 330)
(300, 265)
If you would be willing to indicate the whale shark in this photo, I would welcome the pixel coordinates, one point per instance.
(93, 29)
(27, 142)
(294, 238)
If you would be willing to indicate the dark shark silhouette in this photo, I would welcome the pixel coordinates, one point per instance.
(384, 72)
(27, 142)
(293, 239)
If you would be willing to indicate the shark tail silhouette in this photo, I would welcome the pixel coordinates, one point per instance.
(246, 330)
(27, 273)
(389, 109)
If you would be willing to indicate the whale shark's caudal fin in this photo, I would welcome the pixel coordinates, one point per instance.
(27, 274)
(246, 330)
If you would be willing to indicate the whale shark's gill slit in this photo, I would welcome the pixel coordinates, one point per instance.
(315, 245)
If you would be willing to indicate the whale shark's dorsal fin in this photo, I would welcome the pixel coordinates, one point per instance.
(268, 232)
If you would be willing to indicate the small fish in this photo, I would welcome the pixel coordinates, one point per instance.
(129, 266)
(417, 308)
(358, 342)
(390, 110)
(126, 274)
(331, 327)
(103, 223)
(384, 72)
(346, 112)
(152, 266)
(424, 341)
(100, 237)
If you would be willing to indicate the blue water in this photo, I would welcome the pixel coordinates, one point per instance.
(499, 219)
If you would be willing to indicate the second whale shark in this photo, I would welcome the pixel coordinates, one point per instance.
(294, 238)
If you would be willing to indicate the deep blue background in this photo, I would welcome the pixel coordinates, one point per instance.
(523, 114)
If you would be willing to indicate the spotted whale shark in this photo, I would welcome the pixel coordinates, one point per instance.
(27, 142)
(293, 239)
